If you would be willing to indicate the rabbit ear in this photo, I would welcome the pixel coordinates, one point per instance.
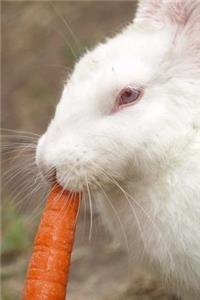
(184, 17)
(149, 10)
(175, 12)
(181, 16)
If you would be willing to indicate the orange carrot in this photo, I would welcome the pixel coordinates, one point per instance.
(48, 270)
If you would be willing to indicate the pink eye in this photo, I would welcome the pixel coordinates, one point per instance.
(128, 95)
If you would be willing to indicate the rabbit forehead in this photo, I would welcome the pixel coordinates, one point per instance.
(133, 52)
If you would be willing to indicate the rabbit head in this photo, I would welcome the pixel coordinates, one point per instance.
(131, 102)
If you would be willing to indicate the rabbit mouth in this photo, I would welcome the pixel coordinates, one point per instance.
(82, 182)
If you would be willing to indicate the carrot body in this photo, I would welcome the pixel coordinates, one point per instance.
(48, 270)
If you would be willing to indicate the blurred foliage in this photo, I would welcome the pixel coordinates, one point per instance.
(17, 236)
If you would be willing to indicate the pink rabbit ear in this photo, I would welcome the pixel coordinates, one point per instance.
(175, 12)
(149, 10)
(182, 17)
(183, 13)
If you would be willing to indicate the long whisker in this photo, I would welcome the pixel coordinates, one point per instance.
(127, 196)
(68, 27)
(119, 220)
(84, 212)
(18, 171)
(8, 158)
(19, 132)
(91, 208)
(15, 136)
(21, 187)
(19, 145)
(61, 34)
(132, 210)
(37, 210)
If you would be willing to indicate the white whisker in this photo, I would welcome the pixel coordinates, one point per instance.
(19, 132)
(91, 208)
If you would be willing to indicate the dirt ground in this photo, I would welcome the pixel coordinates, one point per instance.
(40, 42)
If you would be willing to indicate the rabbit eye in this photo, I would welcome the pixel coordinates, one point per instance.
(128, 95)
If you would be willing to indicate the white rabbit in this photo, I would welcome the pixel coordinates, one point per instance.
(128, 125)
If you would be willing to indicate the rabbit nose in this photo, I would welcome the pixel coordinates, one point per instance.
(48, 174)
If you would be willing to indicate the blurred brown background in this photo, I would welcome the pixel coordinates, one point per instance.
(41, 40)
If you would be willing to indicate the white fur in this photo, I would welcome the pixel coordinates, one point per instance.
(152, 149)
